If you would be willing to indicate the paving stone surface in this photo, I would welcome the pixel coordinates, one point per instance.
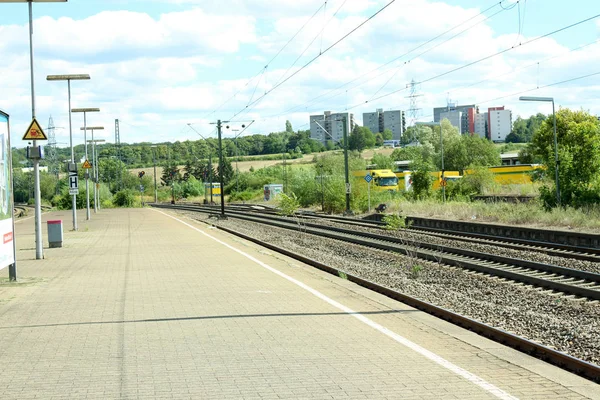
(137, 305)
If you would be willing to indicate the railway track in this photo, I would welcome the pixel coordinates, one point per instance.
(548, 248)
(563, 360)
(553, 277)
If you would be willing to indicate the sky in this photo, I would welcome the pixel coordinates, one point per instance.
(169, 69)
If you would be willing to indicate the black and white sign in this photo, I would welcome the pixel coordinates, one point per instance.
(73, 183)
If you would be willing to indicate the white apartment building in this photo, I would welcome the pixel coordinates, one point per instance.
(330, 126)
(500, 124)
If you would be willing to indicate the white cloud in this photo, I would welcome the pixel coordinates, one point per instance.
(158, 74)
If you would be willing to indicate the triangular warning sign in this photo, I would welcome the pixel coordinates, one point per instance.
(87, 164)
(34, 132)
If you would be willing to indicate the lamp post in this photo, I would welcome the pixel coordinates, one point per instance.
(550, 100)
(36, 161)
(442, 151)
(95, 167)
(154, 160)
(87, 175)
(72, 166)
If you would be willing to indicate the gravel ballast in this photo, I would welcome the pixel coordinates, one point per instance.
(568, 325)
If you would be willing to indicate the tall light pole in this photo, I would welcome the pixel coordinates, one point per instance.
(72, 166)
(87, 175)
(155, 187)
(556, 163)
(39, 254)
(95, 166)
(443, 183)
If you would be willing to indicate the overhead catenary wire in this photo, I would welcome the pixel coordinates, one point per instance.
(495, 4)
(261, 72)
(436, 46)
(314, 58)
(311, 42)
(482, 59)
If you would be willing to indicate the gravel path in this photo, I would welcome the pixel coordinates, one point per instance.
(571, 326)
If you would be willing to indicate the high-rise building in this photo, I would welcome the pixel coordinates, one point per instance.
(455, 117)
(499, 123)
(329, 126)
(380, 120)
(466, 123)
(481, 125)
(374, 120)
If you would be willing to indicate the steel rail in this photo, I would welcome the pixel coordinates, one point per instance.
(547, 354)
(511, 268)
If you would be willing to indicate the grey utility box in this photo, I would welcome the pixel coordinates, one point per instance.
(55, 233)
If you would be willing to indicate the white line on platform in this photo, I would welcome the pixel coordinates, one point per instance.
(499, 393)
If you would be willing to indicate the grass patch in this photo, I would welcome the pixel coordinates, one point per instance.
(529, 214)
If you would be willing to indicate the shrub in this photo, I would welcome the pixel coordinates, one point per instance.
(125, 198)
(288, 205)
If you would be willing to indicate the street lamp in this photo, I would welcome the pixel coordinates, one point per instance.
(72, 165)
(36, 161)
(431, 123)
(550, 99)
(95, 167)
(87, 180)
(154, 159)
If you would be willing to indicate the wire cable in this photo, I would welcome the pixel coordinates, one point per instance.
(315, 58)
(495, 4)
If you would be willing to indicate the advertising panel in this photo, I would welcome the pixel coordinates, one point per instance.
(7, 253)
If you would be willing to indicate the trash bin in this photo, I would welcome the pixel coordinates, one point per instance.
(55, 233)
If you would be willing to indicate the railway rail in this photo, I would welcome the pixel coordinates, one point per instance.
(563, 360)
(419, 224)
(553, 277)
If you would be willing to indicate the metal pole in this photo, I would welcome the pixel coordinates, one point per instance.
(237, 171)
(221, 170)
(72, 156)
(87, 174)
(346, 172)
(322, 191)
(97, 169)
(210, 176)
(94, 177)
(556, 163)
(155, 189)
(36, 161)
(442, 149)
(369, 190)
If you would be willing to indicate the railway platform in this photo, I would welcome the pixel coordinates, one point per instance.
(146, 304)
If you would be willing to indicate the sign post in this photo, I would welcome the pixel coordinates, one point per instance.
(369, 178)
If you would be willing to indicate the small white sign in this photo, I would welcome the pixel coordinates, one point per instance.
(74, 191)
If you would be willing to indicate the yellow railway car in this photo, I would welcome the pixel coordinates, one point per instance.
(383, 179)
(405, 181)
(513, 174)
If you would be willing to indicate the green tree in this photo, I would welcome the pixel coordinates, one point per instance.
(288, 127)
(578, 134)
(387, 134)
(382, 161)
(422, 179)
(470, 151)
